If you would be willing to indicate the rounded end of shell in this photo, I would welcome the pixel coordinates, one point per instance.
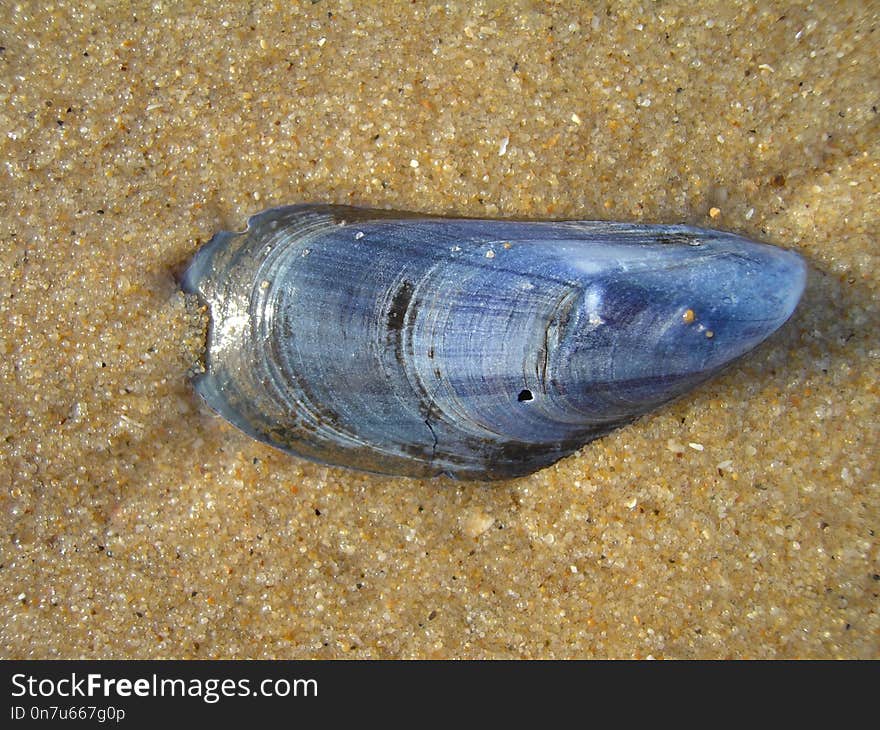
(198, 275)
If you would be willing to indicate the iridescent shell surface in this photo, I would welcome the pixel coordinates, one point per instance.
(483, 349)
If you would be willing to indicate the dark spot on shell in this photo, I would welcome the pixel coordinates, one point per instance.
(399, 305)
(679, 239)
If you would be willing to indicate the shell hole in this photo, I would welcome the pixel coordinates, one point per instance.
(524, 396)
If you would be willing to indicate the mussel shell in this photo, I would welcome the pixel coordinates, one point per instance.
(483, 349)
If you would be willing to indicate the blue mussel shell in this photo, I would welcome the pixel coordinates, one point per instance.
(483, 349)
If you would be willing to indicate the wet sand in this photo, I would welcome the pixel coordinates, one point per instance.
(740, 521)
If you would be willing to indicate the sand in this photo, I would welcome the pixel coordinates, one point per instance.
(738, 522)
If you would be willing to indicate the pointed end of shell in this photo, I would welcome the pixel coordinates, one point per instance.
(792, 278)
(775, 289)
(768, 291)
